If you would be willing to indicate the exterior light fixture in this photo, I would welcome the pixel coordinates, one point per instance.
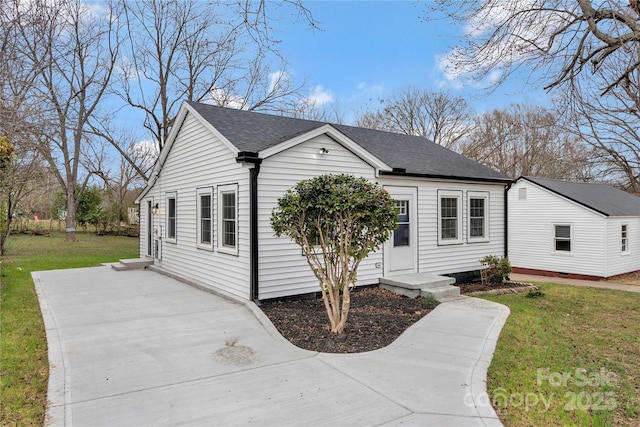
(323, 151)
(156, 209)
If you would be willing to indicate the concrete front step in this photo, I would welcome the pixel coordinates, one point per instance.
(132, 264)
(440, 292)
(421, 284)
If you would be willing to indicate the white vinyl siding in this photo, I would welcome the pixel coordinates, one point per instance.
(283, 269)
(462, 257)
(532, 233)
(199, 160)
(618, 261)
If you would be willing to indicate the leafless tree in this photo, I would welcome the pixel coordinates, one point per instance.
(307, 109)
(563, 39)
(611, 126)
(437, 115)
(73, 50)
(215, 52)
(523, 140)
(121, 175)
(20, 164)
(587, 52)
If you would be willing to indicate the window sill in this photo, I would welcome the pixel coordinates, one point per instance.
(449, 242)
(478, 240)
(228, 251)
(204, 247)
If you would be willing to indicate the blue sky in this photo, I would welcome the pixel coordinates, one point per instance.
(367, 49)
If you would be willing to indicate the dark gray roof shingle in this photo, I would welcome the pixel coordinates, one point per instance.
(254, 132)
(601, 198)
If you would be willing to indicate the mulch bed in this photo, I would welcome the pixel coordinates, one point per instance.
(506, 287)
(376, 317)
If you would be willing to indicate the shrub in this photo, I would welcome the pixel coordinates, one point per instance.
(337, 220)
(495, 269)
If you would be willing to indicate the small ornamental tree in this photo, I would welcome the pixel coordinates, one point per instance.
(337, 220)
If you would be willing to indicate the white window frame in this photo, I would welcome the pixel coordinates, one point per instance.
(450, 194)
(522, 193)
(168, 196)
(554, 238)
(624, 238)
(227, 249)
(484, 195)
(200, 192)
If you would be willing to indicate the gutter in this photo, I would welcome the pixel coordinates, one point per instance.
(252, 160)
(403, 172)
(506, 219)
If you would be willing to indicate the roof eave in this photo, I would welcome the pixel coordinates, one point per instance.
(396, 172)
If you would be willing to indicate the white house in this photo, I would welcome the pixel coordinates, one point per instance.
(205, 212)
(581, 230)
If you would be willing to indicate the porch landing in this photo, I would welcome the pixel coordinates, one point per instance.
(421, 284)
(132, 264)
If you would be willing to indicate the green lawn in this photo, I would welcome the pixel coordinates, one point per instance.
(571, 357)
(24, 368)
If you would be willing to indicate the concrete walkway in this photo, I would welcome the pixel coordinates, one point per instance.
(573, 282)
(138, 348)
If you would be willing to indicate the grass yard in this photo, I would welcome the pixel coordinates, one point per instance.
(570, 357)
(24, 368)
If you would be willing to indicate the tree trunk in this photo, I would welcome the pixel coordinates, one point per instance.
(344, 311)
(70, 220)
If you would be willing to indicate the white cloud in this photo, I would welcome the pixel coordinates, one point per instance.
(319, 96)
(219, 97)
(370, 90)
(145, 147)
(278, 79)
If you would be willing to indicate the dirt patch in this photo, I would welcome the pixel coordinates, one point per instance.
(376, 318)
(627, 279)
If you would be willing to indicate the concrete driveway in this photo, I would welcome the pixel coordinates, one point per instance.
(138, 348)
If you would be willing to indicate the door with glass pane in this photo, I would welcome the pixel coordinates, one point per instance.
(402, 248)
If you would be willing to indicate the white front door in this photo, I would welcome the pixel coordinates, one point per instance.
(401, 250)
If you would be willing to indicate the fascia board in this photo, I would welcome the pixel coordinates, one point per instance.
(164, 153)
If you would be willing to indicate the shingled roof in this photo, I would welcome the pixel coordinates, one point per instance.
(254, 132)
(601, 198)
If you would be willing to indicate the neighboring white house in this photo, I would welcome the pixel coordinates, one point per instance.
(581, 230)
(205, 214)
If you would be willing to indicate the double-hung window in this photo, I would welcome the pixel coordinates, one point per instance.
(228, 219)
(449, 217)
(205, 218)
(624, 235)
(562, 238)
(172, 216)
(478, 203)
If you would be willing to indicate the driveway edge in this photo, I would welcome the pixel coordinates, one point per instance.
(56, 412)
